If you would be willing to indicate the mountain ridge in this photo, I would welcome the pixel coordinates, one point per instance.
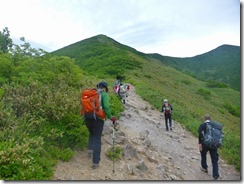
(221, 64)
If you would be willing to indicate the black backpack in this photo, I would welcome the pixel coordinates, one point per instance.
(214, 136)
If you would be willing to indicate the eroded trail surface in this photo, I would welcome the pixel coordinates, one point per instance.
(149, 152)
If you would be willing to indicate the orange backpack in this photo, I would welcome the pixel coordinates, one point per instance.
(91, 106)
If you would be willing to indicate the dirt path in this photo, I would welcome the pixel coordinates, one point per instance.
(149, 151)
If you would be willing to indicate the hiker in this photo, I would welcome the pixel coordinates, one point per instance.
(204, 149)
(122, 92)
(167, 110)
(128, 87)
(95, 126)
(116, 86)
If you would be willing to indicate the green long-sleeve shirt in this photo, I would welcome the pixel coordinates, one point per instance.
(105, 104)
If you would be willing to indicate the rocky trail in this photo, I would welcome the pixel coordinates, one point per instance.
(149, 152)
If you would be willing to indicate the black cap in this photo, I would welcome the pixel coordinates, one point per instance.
(103, 84)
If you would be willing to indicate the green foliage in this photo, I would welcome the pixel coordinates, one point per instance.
(221, 64)
(6, 68)
(5, 40)
(48, 113)
(115, 104)
(215, 84)
(40, 102)
(204, 93)
(233, 109)
(24, 160)
(66, 154)
(114, 153)
(187, 82)
(75, 133)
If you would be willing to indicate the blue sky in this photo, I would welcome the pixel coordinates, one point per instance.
(181, 28)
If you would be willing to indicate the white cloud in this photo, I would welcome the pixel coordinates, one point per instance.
(169, 27)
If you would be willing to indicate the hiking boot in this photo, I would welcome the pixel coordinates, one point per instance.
(215, 177)
(170, 128)
(204, 170)
(95, 166)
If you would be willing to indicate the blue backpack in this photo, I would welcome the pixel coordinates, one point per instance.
(214, 135)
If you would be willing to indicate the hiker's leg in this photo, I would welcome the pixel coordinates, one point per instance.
(170, 122)
(166, 121)
(215, 157)
(89, 124)
(98, 129)
(204, 157)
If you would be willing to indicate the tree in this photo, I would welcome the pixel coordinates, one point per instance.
(5, 40)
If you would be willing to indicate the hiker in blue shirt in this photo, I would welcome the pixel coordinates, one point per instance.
(204, 149)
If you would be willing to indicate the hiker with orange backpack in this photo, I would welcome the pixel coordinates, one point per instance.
(167, 110)
(95, 109)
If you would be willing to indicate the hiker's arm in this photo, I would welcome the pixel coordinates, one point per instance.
(201, 129)
(106, 106)
(162, 110)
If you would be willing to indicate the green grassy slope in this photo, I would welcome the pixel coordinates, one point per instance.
(154, 81)
(221, 64)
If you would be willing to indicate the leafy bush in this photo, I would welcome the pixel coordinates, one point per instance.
(187, 82)
(24, 160)
(66, 154)
(204, 93)
(74, 132)
(114, 153)
(215, 84)
(234, 110)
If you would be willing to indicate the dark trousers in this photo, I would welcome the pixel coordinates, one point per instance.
(95, 128)
(168, 120)
(214, 158)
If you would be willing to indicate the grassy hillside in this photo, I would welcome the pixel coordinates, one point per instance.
(154, 81)
(221, 64)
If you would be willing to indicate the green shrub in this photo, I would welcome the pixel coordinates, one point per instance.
(24, 160)
(187, 82)
(66, 154)
(234, 110)
(204, 93)
(114, 154)
(74, 132)
(215, 84)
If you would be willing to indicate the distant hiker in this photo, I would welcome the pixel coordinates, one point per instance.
(128, 87)
(167, 110)
(95, 119)
(122, 92)
(116, 86)
(204, 149)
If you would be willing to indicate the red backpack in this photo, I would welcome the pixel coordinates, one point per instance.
(91, 106)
